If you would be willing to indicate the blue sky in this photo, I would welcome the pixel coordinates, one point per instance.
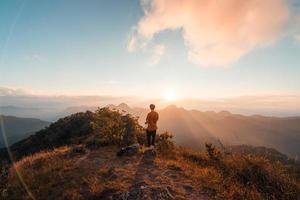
(80, 47)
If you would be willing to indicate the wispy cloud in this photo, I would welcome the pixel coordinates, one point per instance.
(131, 45)
(136, 43)
(157, 53)
(215, 32)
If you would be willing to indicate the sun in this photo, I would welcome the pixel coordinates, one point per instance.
(170, 95)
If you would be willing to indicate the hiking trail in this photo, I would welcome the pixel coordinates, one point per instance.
(143, 176)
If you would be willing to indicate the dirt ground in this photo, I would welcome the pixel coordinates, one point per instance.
(142, 176)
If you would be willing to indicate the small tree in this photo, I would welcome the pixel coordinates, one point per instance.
(115, 128)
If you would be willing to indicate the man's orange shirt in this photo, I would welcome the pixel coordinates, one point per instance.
(151, 120)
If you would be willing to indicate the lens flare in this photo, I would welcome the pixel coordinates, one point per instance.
(2, 126)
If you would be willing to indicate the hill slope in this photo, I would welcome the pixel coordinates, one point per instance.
(75, 172)
(17, 128)
(75, 158)
(99, 174)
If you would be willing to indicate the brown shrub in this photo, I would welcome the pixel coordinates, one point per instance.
(212, 152)
(194, 157)
(242, 177)
(165, 146)
(271, 180)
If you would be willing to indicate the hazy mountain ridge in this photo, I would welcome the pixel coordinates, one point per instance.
(17, 128)
(53, 106)
(193, 128)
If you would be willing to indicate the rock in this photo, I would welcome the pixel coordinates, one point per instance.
(128, 151)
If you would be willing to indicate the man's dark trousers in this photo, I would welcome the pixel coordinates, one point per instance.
(151, 137)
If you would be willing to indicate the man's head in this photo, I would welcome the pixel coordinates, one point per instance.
(152, 106)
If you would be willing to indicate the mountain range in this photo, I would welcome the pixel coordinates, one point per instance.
(193, 128)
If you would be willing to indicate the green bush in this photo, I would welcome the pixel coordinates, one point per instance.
(94, 129)
(115, 128)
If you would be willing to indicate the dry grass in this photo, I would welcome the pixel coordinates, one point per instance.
(42, 172)
(99, 188)
(241, 177)
(187, 175)
(57, 174)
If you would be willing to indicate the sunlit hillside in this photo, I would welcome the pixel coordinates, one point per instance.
(75, 158)
(192, 128)
(149, 99)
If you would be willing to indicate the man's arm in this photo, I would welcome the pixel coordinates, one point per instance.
(147, 119)
(156, 117)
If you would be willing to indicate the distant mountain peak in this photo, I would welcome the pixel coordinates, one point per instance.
(171, 107)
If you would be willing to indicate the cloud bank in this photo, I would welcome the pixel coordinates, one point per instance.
(215, 32)
(4, 91)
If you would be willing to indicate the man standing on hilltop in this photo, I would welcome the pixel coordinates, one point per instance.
(151, 121)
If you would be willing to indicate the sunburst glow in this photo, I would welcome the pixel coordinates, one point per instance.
(170, 95)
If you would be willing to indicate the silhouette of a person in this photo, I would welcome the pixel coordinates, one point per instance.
(151, 122)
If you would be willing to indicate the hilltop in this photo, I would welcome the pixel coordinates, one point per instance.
(73, 173)
(75, 158)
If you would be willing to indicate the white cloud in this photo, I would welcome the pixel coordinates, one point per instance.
(131, 46)
(4, 91)
(215, 32)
